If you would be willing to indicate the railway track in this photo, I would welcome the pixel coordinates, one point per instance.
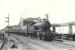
(54, 43)
(3, 44)
(25, 44)
(28, 42)
(43, 44)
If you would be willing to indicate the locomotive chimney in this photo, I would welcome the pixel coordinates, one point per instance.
(47, 17)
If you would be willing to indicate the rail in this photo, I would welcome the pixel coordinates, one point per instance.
(4, 39)
(3, 44)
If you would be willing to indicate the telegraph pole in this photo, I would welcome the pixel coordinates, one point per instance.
(8, 23)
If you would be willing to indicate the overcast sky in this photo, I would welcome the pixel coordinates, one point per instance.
(60, 11)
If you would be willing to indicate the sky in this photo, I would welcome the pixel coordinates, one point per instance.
(60, 11)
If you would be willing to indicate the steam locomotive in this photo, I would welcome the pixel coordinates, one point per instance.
(33, 27)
